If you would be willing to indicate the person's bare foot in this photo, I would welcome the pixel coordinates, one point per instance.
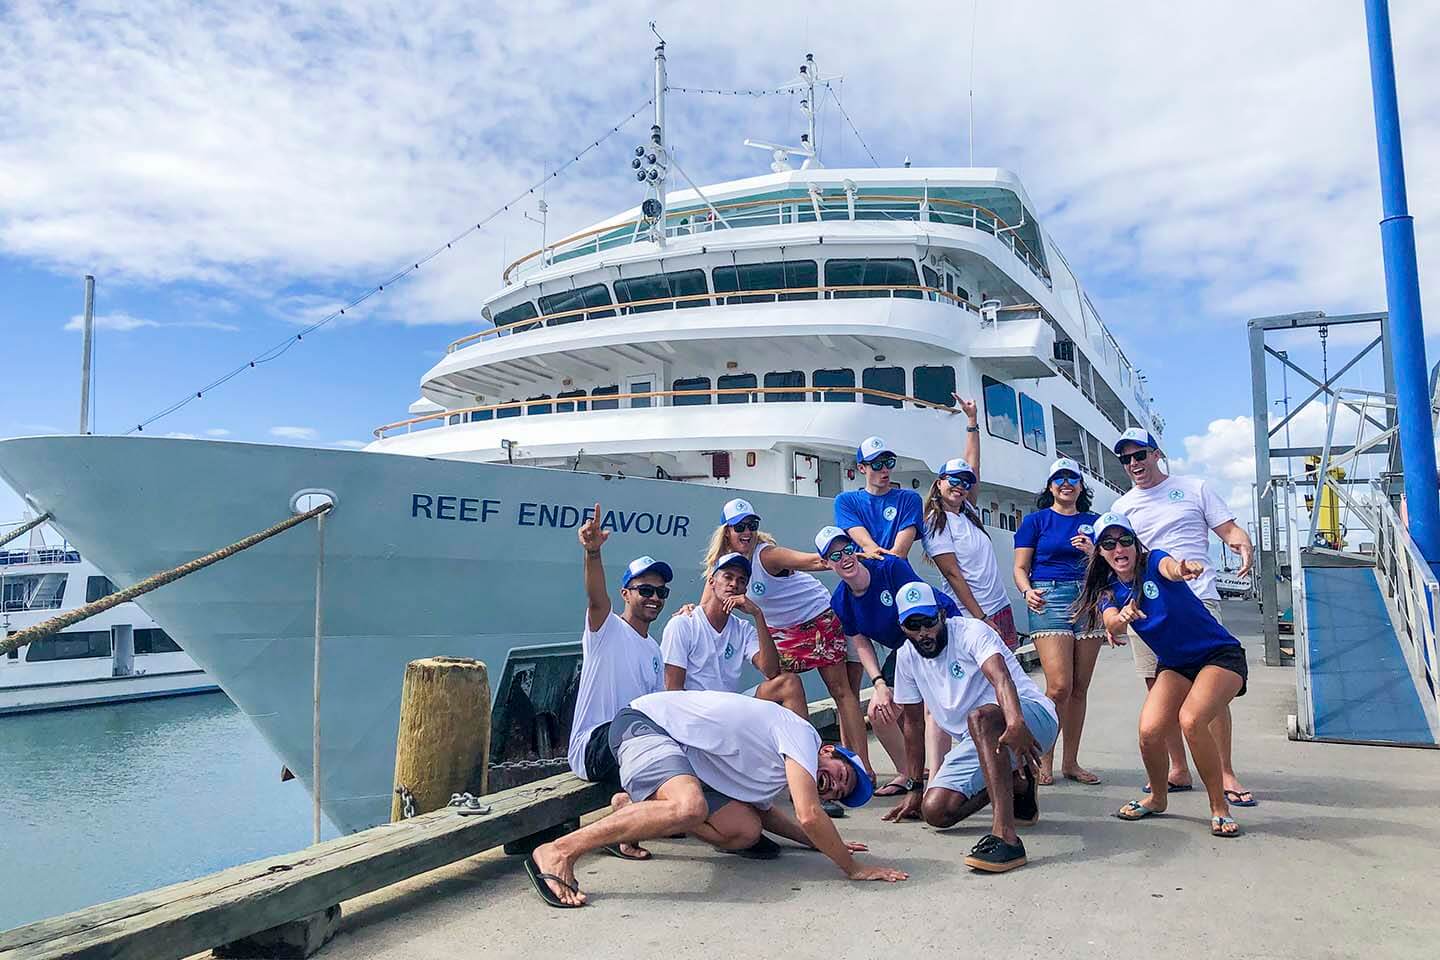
(1045, 775)
(1079, 774)
(632, 851)
(550, 860)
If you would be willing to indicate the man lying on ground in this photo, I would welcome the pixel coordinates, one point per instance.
(711, 764)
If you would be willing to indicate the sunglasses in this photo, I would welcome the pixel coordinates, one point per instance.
(919, 622)
(1139, 456)
(648, 591)
(752, 524)
(846, 551)
(1066, 479)
(881, 463)
(964, 483)
(1110, 543)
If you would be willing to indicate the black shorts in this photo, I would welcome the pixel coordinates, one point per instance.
(1229, 657)
(600, 763)
(887, 669)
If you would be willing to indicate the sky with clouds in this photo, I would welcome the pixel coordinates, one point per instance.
(233, 171)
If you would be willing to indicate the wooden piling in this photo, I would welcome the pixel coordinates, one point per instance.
(443, 746)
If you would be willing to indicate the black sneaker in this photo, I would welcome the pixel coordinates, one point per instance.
(1027, 805)
(994, 855)
(834, 809)
(762, 849)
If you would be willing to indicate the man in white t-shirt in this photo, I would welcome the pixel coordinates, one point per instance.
(1177, 515)
(711, 764)
(619, 659)
(708, 648)
(1001, 721)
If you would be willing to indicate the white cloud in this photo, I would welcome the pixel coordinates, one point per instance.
(182, 436)
(350, 444)
(217, 432)
(294, 433)
(124, 323)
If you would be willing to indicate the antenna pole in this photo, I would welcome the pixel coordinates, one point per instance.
(86, 352)
(661, 85)
(809, 70)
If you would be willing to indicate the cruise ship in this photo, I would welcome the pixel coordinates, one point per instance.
(115, 656)
(737, 337)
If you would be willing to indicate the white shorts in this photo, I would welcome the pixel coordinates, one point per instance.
(1146, 663)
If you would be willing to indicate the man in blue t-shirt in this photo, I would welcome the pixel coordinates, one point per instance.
(882, 516)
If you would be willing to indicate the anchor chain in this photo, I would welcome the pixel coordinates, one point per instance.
(407, 802)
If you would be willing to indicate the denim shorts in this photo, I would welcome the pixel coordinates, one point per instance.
(1060, 595)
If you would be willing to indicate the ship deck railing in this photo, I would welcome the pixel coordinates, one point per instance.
(35, 555)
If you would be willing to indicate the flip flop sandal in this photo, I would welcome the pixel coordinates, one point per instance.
(893, 789)
(615, 850)
(1135, 810)
(1241, 798)
(1174, 787)
(551, 898)
(1218, 825)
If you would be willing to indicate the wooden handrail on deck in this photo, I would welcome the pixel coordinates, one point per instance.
(380, 432)
(819, 292)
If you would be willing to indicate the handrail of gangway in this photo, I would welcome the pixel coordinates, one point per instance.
(1302, 724)
(1411, 583)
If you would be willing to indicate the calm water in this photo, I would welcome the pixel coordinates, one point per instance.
(106, 801)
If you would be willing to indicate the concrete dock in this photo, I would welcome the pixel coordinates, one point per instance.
(1340, 859)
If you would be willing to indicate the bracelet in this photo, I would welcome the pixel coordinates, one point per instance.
(974, 429)
(875, 680)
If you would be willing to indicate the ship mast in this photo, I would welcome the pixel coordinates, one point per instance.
(652, 163)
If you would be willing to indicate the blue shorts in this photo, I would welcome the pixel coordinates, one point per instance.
(1060, 596)
(961, 771)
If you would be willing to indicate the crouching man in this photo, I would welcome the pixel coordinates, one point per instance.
(1001, 722)
(711, 763)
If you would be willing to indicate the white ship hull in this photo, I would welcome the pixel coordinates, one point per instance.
(63, 694)
(492, 572)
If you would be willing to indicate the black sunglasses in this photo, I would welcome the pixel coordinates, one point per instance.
(919, 622)
(964, 483)
(1110, 543)
(647, 591)
(881, 463)
(846, 551)
(1139, 456)
(752, 524)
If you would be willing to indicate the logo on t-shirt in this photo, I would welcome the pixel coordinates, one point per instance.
(889, 513)
(729, 650)
(655, 665)
(1151, 589)
(957, 671)
(1086, 529)
(913, 595)
(886, 598)
(1177, 494)
(757, 588)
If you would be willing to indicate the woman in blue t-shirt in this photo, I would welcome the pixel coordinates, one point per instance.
(1201, 665)
(1051, 549)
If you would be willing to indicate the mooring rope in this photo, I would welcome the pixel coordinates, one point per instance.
(23, 529)
(55, 624)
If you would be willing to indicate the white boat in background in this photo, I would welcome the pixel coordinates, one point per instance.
(739, 337)
(118, 655)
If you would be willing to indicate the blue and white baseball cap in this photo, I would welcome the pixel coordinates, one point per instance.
(1061, 465)
(642, 565)
(955, 467)
(864, 788)
(870, 448)
(1108, 520)
(1135, 435)
(827, 536)
(917, 596)
(736, 510)
(732, 560)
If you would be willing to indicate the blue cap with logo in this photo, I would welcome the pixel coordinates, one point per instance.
(736, 510)
(1108, 520)
(1063, 465)
(643, 565)
(731, 560)
(956, 467)
(1136, 435)
(870, 448)
(864, 788)
(827, 536)
(917, 596)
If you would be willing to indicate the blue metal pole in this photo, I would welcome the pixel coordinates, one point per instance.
(1402, 294)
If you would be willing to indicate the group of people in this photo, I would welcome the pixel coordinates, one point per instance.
(688, 753)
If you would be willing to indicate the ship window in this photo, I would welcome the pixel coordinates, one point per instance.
(1001, 417)
(1113, 471)
(569, 407)
(154, 641)
(737, 381)
(517, 314)
(871, 273)
(604, 392)
(659, 286)
(453, 419)
(786, 275)
(888, 379)
(72, 645)
(693, 383)
(787, 378)
(838, 377)
(595, 295)
(504, 413)
(1032, 423)
(536, 409)
(97, 587)
(932, 279)
(477, 416)
(936, 385)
